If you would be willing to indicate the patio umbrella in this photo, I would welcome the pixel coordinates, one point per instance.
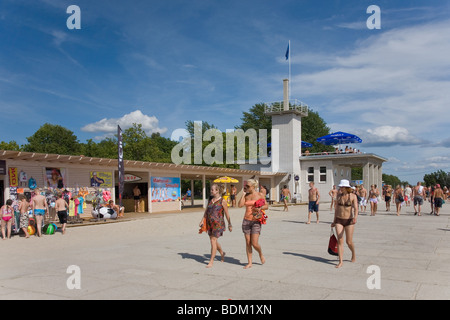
(306, 144)
(226, 180)
(339, 138)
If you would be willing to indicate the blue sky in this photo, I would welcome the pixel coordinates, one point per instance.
(167, 61)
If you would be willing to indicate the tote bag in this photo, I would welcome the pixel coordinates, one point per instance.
(333, 244)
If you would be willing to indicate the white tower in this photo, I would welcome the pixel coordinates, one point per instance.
(287, 135)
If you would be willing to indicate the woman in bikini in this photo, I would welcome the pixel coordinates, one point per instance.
(250, 225)
(399, 197)
(373, 198)
(6, 215)
(215, 222)
(345, 217)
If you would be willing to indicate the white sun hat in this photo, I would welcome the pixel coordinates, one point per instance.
(345, 183)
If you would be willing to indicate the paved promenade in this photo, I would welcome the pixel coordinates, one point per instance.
(162, 256)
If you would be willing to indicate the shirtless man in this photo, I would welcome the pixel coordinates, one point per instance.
(362, 192)
(61, 207)
(286, 194)
(313, 198)
(40, 207)
(233, 195)
(116, 208)
(387, 197)
(137, 197)
(333, 194)
(418, 194)
(438, 199)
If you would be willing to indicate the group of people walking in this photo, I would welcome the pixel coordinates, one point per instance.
(213, 220)
(347, 202)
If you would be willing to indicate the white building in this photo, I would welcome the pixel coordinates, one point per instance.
(324, 170)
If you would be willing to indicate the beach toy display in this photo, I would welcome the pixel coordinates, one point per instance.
(31, 230)
(104, 213)
(49, 228)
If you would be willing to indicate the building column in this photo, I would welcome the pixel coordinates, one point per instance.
(380, 176)
(204, 191)
(192, 192)
(366, 176)
(149, 192)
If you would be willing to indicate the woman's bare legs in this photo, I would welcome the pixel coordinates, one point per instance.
(349, 239)
(252, 241)
(215, 246)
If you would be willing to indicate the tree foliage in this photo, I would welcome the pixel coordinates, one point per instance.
(439, 177)
(137, 144)
(50, 138)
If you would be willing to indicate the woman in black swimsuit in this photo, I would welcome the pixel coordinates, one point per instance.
(345, 216)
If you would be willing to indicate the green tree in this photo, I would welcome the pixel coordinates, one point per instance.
(51, 138)
(391, 180)
(439, 177)
(12, 145)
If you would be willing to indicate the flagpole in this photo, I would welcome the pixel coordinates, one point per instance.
(289, 94)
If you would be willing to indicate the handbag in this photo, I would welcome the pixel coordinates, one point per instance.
(333, 244)
(203, 228)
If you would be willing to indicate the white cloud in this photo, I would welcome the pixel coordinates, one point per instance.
(150, 124)
(388, 136)
(396, 78)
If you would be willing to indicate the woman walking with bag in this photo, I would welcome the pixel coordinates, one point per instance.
(251, 225)
(345, 217)
(215, 222)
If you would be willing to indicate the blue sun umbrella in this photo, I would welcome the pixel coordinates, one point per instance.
(306, 144)
(338, 138)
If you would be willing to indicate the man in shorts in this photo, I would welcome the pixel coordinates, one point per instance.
(285, 196)
(362, 192)
(387, 196)
(233, 195)
(438, 199)
(40, 207)
(419, 194)
(61, 207)
(313, 205)
(333, 194)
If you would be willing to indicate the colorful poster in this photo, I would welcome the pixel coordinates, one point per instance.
(101, 179)
(13, 177)
(54, 178)
(165, 189)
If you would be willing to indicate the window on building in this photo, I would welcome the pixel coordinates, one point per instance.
(323, 174)
(310, 174)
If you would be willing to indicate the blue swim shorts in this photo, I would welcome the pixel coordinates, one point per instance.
(39, 212)
(313, 206)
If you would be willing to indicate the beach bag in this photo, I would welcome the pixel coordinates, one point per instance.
(32, 183)
(203, 227)
(333, 244)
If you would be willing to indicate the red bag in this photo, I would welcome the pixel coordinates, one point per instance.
(333, 245)
(203, 228)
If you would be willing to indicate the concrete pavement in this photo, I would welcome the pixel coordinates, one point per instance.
(162, 256)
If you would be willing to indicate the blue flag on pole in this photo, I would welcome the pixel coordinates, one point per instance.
(287, 53)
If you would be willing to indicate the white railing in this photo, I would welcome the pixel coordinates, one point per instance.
(294, 105)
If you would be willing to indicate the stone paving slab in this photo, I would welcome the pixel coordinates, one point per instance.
(162, 256)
